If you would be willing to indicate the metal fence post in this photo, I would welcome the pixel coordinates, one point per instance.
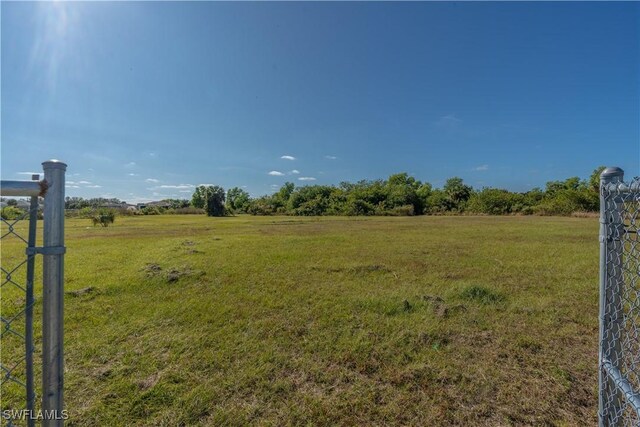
(611, 313)
(53, 293)
(29, 302)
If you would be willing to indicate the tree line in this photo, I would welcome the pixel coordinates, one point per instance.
(401, 194)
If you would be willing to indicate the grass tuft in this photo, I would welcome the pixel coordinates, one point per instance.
(481, 295)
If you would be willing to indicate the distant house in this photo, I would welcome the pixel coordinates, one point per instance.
(160, 204)
(122, 205)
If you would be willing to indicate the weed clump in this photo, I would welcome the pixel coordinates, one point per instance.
(481, 295)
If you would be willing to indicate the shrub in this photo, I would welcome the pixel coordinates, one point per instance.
(152, 210)
(104, 217)
(405, 210)
(492, 201)
(187, 211)
(481, 294)
(11, 213)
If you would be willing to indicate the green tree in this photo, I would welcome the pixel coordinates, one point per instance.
(199, 198)
(215, 197)
(237, 200)
(594, 179)
(457, 192)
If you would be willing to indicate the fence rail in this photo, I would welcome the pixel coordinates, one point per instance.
(619, 353)
(18, 391)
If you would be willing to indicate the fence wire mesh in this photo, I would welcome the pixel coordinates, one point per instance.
(17, 392)
(620, 304)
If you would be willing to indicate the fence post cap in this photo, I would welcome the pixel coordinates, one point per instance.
(54, 164)
(611, 172)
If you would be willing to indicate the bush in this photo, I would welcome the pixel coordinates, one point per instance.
(11, 213)
(493, 201)
(261, 206)
(152, 210)
(126, 212)
(104, 217)
(406, 210)
(356, 207)
(187, 211)
(482, 295)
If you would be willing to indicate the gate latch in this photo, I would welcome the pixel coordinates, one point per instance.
(48, 250)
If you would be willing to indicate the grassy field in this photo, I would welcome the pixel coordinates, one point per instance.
(189, 320)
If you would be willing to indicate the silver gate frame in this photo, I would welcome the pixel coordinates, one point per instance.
(52, 188)
(612, 382)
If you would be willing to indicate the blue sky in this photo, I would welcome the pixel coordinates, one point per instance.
(145, 100)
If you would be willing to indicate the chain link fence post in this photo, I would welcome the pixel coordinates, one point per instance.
(619, 353)
(29, 303)
(611, 229)
(53, 293)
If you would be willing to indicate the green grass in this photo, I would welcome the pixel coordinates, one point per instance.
(188, 320)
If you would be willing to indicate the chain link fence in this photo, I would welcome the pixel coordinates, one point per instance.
(21, 401)
(619, 376)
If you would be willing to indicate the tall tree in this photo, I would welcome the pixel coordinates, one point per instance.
(215, 196)
(199, 198)
(237, 199)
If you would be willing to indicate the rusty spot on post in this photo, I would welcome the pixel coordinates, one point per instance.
(44, 186)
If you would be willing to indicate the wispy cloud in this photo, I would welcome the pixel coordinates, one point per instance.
(133, 174)
(152, 180)
(175, 187)
(287, 157)
(94, 186)
(330, 157)
(481, 168)
(294, 172)
(29, 173)
(449, 121)
(84, 182)
(130, 165)
(276, 173)
(306, 178)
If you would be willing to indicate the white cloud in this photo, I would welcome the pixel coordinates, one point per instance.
(94, 186)
(448, 121)
(287, 157)
(481, 168)
(184, 191)
(206, 185)
(330, 157)
(276, 173)
(72, 186)
(70, 182)
(84, 182)
(153, 154)
(133, 174)
(130, 165)
(152, 180)
(306, 178)
(29, 173)
(294, 172)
